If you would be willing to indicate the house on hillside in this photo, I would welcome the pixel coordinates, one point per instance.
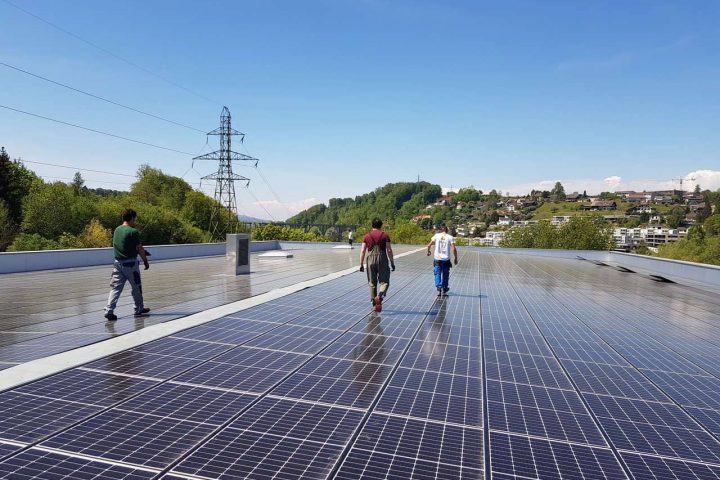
(559, 220)
(640, 209)
(600, 205)
(420, 218)
(573, 197)
(505, 220)
(639, 197)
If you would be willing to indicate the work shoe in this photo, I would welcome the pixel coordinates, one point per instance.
(143, 313)
(446, 290)
(439, 291)
(111, 317)
(378, 304)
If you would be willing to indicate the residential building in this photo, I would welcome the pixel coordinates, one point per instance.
(559, 220)
(598, 205)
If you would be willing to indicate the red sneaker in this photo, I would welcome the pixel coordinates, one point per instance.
(378, 304)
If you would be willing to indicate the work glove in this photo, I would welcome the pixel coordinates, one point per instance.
(428, 253)
(392, 267)
(456, 261)
(147, 265)
(362, 268)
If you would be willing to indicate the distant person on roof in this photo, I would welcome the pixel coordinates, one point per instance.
(444, 243)
(378, 254)
(126, 247)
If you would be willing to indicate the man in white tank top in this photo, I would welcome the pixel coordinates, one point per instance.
(444, 243)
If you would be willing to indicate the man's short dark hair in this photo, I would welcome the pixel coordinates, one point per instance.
(376, 223)
(444, 228)
(128, 215)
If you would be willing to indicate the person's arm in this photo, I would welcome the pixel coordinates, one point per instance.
(388, 247)
(429, 246)
(362, 257)
(455, 252)
(141, 252)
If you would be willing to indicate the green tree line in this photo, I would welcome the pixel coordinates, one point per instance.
(579, 233)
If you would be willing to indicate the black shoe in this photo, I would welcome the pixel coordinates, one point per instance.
(439, 292)
(445, 290)
(111, 317)
(143, 313)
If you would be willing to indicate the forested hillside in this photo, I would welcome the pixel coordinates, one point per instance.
(394, 201)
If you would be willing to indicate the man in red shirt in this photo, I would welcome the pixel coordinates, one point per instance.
(380, 261)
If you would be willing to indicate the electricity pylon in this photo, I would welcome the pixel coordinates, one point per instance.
(224, 215)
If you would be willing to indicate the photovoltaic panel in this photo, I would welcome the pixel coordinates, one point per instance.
(181, 347)
(433, 396)
(372, 347)
(234, 454)
(192, 403)
(421, 440)
(443, 358)
(39, 464)
(367, 465)
(8, 448)
(129, 437)
(263, 358)
(229, 336)
(523, 368)
(537, 458)
(27, 418)
(303, 421)
(710, 419)
(612, 380)
(234, 377)
(82, 386)
(542, 412)
(143, 364)
(294, 338)
(646, 467)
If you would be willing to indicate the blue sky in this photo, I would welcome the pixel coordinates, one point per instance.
(338, 97)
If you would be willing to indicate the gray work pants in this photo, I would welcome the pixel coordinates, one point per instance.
(126, 271)
(378, 272)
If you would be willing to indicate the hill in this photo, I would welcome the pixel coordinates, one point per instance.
(394, 201)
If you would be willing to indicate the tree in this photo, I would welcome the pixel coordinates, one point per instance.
(558, 192)
(697, 189)
(78, 184)
(52, 209)
(712, 225)
(158, 188)
(15, 182)
(8, 229)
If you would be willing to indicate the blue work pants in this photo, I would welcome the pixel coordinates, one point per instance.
(442, 273)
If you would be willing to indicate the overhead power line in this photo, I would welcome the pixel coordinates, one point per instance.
(258, 202)
(108, 52)
(100, 98)
(78, 168)
(95, 131)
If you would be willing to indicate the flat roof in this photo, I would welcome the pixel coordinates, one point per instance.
(533, 367)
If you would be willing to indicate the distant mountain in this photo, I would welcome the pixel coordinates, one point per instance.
(245, 218)
(402, 200)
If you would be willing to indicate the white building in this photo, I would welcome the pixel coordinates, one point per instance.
(505, 220)
(492, 238)
(559, 220)
(651, 236)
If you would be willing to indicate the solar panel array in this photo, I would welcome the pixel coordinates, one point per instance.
(532, 368)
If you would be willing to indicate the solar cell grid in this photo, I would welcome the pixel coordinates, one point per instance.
(181, 347)
(444, 358)
(129, 437)
(295, 338)
(522, 368)
(236, 454)
(612, 380)
(231, 336)
(367, 465)
(373, 347)
(645, 467)
(263, 358)
(433, 396)
(298, 420)
(185, 402)
(8, 448)
(88, 387)
(36, 464)
(352, 370)
(538, 458)
(710, 419)
(143, 364)
(28, 418)
(235, 377)
(417, 439)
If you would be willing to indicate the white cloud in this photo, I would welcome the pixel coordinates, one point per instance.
(707, 179)
(277, 210)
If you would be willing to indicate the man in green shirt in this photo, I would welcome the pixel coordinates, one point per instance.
(126, 248)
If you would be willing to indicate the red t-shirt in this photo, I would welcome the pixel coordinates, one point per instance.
(376, 237)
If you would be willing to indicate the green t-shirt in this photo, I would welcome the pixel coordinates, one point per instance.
(125, 242)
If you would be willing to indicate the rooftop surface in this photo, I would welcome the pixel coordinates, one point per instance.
(534, 367)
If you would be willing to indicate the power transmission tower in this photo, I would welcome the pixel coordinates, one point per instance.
(224, 215)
